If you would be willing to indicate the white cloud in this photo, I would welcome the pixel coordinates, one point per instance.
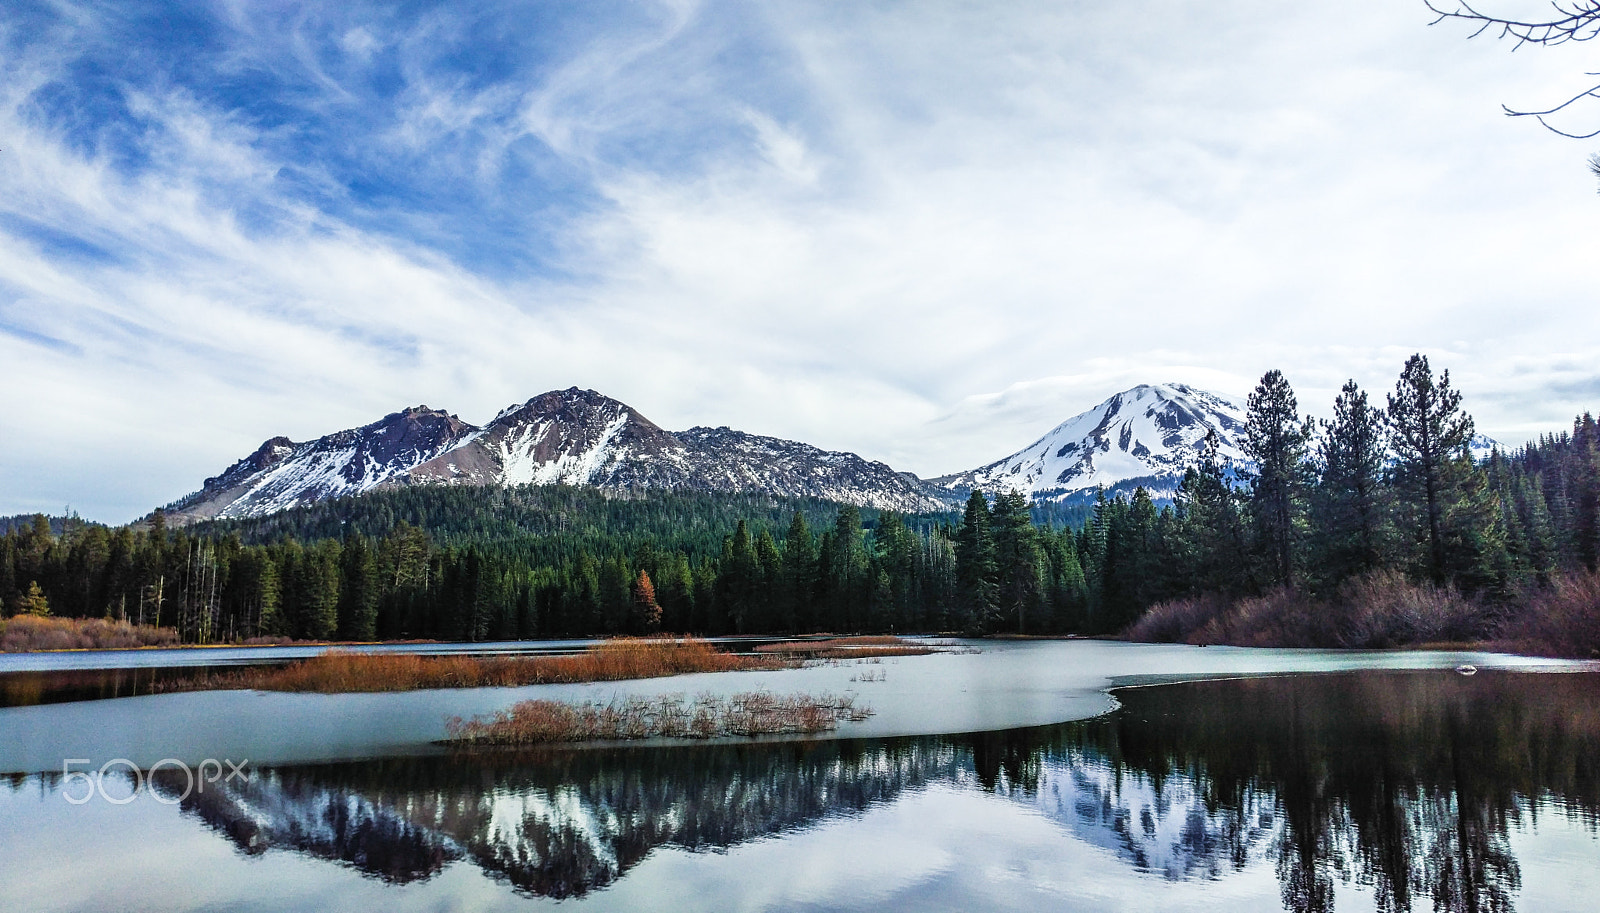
(926, 233)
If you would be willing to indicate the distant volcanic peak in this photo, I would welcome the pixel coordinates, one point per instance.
(1152, 431)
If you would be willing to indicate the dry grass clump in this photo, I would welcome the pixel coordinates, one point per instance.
(28, 633)
(668, 716)
(847, 648)
(343, 671)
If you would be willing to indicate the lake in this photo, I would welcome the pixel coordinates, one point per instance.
(1391, 782)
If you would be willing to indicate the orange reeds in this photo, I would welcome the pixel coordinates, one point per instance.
(340, 671)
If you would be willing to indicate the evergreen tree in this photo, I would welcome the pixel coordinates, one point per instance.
(1277, 439)
(1016, 555)
(1351, 500)
(797, 584)
(1214, 542)
(843, 572)
(764, 596)
(739, 579)
(1583, 488)
(358, 590)
(33, 602)
(1431, 434)
(616, 594)
(976, 591)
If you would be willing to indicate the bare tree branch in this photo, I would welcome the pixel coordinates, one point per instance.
(1540, 115)
(1575, 20)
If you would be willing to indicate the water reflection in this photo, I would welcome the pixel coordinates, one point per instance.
(28, 689)
(1406, 785)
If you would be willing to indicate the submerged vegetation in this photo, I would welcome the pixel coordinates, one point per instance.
(667, 716)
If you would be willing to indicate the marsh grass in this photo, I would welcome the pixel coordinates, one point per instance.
(344, 671)
(27, 633)
(665, 716)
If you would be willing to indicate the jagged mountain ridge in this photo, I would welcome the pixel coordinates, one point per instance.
(1144, 436)
(1148, 436)
(571, 437)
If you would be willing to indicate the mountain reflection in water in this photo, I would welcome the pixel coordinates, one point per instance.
(1407, 784)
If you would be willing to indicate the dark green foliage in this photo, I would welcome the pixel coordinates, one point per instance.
(1432, 467)
(1277, 439)
(978, 606)
(1351, 506)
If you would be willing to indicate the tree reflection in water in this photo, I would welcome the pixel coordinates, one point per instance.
(1408, 783)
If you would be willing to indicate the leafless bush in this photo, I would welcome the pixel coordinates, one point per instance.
(1560, 620)
(1178, 620)
(26, 633)
(1383, 609)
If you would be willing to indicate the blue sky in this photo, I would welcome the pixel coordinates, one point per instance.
(924, 232)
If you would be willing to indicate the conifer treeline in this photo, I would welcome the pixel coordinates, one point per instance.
(1375, 490)
(1375, 493)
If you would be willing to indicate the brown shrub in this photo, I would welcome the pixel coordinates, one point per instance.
(341, 671)
(1280, 618)
(1179, 620)
(1382, 609)
(669, 716)
(1561, 620)
(28, 633)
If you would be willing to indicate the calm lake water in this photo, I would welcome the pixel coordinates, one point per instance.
(1370, 790)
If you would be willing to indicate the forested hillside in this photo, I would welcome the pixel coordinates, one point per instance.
(1374, 528)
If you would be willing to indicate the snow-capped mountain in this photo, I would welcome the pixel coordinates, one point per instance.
(565, 437)
(282, 474)
(571, 437)
(1145, 436)
(1482, 446)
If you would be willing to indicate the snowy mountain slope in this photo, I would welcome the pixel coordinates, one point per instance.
(569, 437)
(1482, 446)
(566, 437)
(282, 474)
(1147, 435)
